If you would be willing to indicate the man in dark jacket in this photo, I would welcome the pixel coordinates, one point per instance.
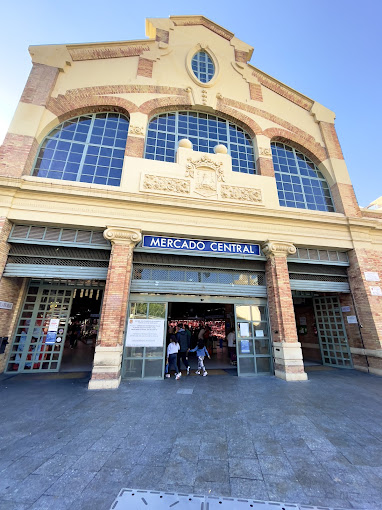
(184, 341)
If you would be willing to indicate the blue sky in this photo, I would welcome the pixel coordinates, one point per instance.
(329, 50)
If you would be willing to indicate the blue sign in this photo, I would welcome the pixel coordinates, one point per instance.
(181, 244)
(51, 338)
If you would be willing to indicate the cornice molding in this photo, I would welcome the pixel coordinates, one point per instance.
(123, 235)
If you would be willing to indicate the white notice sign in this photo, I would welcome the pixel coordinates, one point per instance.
(376, 291)
(371, 276)
(53, 324)
(145, 333)
(345, 308)
(302, 321)
(5, 305)
(244, 329)
(352, 319)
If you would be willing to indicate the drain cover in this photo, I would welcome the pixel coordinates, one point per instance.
(131, 499)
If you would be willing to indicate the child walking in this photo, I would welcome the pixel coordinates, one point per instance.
(201, 352)
(172, 354)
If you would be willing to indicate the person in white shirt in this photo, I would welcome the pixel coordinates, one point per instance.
(231, 340)
(172, 355)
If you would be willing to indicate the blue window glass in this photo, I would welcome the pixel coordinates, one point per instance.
(165, 130)
(309, 189)
(89, 149)
(202, 66)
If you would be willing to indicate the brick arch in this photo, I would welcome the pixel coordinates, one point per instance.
(72, 105)
(305, 144)
(168, 104)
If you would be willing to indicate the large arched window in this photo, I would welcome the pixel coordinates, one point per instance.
(299, 182)
(204, 131)
(89, 148)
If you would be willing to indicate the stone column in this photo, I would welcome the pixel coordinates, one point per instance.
(286, 348)
(108, 354)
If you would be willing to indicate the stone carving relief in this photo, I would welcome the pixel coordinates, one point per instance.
(207, 173)
(265, 151)
(169, 184)
(136, 130)
(241, 194)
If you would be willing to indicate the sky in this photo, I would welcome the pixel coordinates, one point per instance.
(329, 50)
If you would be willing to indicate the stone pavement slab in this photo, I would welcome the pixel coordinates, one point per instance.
(306, 443)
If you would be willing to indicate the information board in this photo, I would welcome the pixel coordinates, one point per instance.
(145, 333)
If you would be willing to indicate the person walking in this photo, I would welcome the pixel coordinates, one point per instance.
(184, 341)
(231, 341)
(172, 354)
(201, 352)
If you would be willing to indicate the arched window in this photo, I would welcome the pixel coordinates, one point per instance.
(202, 66)
(89, 148)
(299, 182)
(204, 131)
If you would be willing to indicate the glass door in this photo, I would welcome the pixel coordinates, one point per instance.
(145, 361)
(252, 340)
(39, 340)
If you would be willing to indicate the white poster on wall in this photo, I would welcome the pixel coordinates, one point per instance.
(352, 319)
(53, 324)
(371, 276)
(244, 329)
(145, 333)
(345, 308)
(376, 291)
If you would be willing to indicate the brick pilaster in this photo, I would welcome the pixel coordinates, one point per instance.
(108, 354)
(19, 151)
(286, 348)
(11, 290)
(368, 305)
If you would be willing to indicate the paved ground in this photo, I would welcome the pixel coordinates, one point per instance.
(314, 443)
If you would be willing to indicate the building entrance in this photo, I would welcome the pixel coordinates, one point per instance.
(321, 330)
(248, 317)
(212, 322)
(56, 315)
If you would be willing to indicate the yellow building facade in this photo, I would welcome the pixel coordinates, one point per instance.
(147, 183)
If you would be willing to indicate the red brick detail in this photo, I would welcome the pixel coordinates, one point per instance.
(10, 290)
(255, 92)
(40, 84)
(330, 137)
(301, 141)
(103, 90)
(114, 306)
(201, 20)
(241, 56)
(67, 106)
(239, 118)
(345, 200)
(98, 52)
(264, 166)
(352, 330)
(164, 104)
(283, 90)
(145, 67)
(17, 155)
(369, 308)
(135, 146)
(280, 302)
(305, 139)
(162, 35)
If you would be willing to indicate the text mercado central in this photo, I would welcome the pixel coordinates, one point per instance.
(171, 243)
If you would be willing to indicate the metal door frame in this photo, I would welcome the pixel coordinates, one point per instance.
(25, 352)
(327, 299)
